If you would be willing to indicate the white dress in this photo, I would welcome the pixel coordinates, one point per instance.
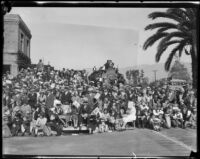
(131, 116)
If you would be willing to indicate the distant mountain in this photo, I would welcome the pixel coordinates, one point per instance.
(148, 70)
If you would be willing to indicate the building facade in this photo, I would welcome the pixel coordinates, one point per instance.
(17, 40)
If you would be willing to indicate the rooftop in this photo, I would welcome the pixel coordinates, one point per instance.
(18, 19)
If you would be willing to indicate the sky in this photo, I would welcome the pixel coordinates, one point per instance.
(85, 37)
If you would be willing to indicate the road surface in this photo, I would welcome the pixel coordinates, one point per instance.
(137, 142)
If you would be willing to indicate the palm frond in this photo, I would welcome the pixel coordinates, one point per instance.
(152, 39)
(187, 25)
(170, 58)
(161, 25)
(179, 13)
(162, 29)
(181, 47)
(155, 15)
(162, 46)
(176, 34)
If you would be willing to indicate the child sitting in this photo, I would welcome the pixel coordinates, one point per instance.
(112, 120)
(154, 123)
(103, 127)
(41, 125)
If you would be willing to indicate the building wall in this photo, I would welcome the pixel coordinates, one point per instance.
(13, 28)
(26, 48)
(11, 37)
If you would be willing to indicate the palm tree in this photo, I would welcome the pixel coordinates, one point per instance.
(180, 33)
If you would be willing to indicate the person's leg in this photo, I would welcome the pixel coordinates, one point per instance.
(151, 125)
(173, 123)
(138, 123)
(124, 124)
(176, 123)
(36, 131)
(134, 124)
(75, 121)
(67, 119)
(142, 122)
(13, 130)
(181, 121)
(81, 121)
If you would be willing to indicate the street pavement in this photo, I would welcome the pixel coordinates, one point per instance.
(137, 142)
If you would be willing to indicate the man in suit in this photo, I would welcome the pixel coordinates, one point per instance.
(50, 99)
(66, 96)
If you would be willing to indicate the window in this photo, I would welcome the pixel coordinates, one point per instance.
(22, 42)
(28, 48)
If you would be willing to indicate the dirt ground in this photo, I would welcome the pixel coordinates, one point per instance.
(137, 142)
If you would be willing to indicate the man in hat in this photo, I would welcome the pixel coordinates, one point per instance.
(32, 98)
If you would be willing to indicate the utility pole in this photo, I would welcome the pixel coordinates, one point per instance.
(155, 71)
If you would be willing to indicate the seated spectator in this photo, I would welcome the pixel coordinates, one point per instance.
(143, 106)
(144, 118)
(6, 121)
(35, 115)
(16, 125)
(54, 125)
(174, 118)
(26, 125)
(186, 117)
(138, 118)
(131, 114)
(41, 125)
(112, 120)
(194, 118)
(103, 127)
(25, 108)
(66, 113)
(84, 114)
(41, 97)
(179, 118)
(154, 123)
(74, 116)
(167, 118)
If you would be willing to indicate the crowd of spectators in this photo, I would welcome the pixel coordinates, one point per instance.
(46, 101)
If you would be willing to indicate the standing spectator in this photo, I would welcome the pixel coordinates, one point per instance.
(40, 66)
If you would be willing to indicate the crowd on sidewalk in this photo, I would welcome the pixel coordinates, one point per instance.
(46, 101)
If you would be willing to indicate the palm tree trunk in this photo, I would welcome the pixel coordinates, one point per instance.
(194, 59)
(194, 69)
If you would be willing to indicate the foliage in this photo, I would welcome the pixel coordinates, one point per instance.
(178, 71)
(136, 77)
(23, 60)
(179, 34)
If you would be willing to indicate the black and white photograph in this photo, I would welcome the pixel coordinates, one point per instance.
(99, 81)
